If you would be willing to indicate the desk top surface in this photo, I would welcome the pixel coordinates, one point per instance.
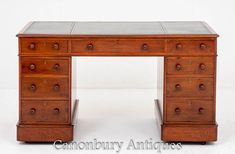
(64, 28)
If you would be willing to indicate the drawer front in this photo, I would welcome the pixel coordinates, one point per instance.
(190, 65)
(39, 87)
(45, 66)
(192, 87)
(34, 46)
(122, 46)
(195, 47)
(45, 112)
(185, 110)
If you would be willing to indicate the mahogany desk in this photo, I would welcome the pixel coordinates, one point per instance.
(187, 86)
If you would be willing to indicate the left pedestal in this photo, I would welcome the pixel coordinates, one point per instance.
(45, 99)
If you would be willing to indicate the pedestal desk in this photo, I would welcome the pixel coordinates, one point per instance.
(186, 102)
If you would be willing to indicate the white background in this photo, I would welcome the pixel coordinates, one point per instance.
(126, 113)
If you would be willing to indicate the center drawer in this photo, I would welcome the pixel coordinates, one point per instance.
(121, 46)
(190, 87)
(45, 112)
(45, 87)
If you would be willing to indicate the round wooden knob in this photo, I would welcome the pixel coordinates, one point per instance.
(56, 46)
(56, 67)
(56, 87)
(178, 67)
(200, 110)
(179, 46)
(202, 66)
(32, 111)
(56, 110)
(32, 46)
(202, 87)
(90, 46)
(177, 86)
(177, 110)
(33, 87)
(203, 46)
(145, 46)
(32, 67)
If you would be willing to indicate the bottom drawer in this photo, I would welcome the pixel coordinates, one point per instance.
(189, 110)
(45, 112)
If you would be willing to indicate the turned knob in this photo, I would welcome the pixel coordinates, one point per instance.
(56, 46)
(56, 87)
(177, 110)
(90, 46)
(202, 87)
(145, 46)
(33, 87)
(32, 111)
(203, 46)
(32, 67)
(178, 67)
(200, 110)
(32, 46)
(56, 67)
(56, 110)
(177, 86)
(202, 66)
(179, 46)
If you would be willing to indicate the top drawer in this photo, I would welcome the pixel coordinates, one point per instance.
(35, 45)
(117, 46)
(52, 66)
(193, 47)
(190, 65)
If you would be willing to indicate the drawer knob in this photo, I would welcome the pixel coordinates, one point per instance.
(202, 86)
(32, 67)
(202, 66)
(90, 46)
(33, 87)
(145, 47)
(56, 67)
(201, 110)
(179, 46)
(56, 87)
(177, 110)
(203, 46)
(56, 110)
(178, 67)
(56, 46)
(177, 86)
(32, 111)
(32, 46)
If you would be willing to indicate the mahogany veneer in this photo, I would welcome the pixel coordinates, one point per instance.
(186, 84)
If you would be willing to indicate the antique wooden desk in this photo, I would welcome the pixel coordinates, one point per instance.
(187, 75)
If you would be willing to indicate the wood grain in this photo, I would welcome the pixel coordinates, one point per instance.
(42, 66)
(186, 74)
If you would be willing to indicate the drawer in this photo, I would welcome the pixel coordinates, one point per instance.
(190, 65)
(41, 87)
(136, 46)
(191, 87)
(187, 110)
(35, 45)
(45, 112)
(32, 65)
(195, 47)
